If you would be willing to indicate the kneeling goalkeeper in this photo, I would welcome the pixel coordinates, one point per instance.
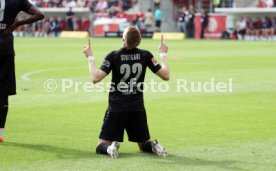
(126, 109)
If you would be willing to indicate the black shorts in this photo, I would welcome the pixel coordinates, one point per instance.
(242, 32)
(158, 23)
(134, 122)
(7, 75)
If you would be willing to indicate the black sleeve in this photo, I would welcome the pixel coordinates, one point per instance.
(152, 63)
(107, 63)
(25, 5)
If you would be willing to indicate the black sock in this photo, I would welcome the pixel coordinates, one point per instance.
(147, 147)
(3, 111)
(102, 148)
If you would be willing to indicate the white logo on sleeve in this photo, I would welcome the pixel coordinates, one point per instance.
(154, 61)
(106, 63)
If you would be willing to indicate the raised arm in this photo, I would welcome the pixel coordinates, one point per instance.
(164, 72)
(35, 15)
(96, 74)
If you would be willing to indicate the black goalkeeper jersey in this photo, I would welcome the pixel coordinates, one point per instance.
(128, 73)
(8, 12)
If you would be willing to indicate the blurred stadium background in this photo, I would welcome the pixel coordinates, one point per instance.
(229, 19)
(202, 131)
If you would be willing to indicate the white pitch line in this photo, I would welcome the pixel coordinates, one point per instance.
(27, 75)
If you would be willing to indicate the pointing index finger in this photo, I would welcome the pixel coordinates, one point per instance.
(162, 39)
(89, 41)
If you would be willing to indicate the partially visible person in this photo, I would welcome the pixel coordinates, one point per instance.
(266, 27)
(241, 28)
(261, 4)
(69, 19)
(69, 3)
(269, 3)
(55, 27)
(229, 3)
(113, 10)
(190, 22)
(249, 29)
(81, 3)
(273, 28)
(141, 24)
(217, 3)
(181, 20)
(8, 23)
(149, 20)
(156, 3)
(257, 28)
(101, 6)
(158, 19)
(121, 14)
(204, 23)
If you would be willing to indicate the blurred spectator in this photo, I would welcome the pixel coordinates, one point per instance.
(121, 14)
(156, 3)
(273, 28)
(158, 19)
(241, 28)
(70, 3)
(101, 6)
(269, 3)
(141, 24)
(69, 19)
(204, 23)
(274, 23)
(181, 19)
(261, 4)
(265, 3)
(126, 4)
(149, 20)
(229, 3)
(217, 3)
(266, 28)
(190, 22)
(249, 29)
(54, 27)
(113, 3)
(113, 10)
(81, 3)
(257, 28)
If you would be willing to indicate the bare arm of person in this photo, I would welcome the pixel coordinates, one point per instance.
(35, 15)
(96, 74)
(164, 72)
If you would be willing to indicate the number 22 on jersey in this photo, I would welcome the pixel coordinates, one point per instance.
(2, 9)
(126, 69)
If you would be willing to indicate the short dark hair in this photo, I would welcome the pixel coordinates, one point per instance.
(132, 37)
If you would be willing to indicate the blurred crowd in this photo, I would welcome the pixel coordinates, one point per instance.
(256, 28)
(266, 3)
(96, 5)
(149, 21)
(231, 3)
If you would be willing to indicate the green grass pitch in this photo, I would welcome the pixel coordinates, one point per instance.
(201, 131)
